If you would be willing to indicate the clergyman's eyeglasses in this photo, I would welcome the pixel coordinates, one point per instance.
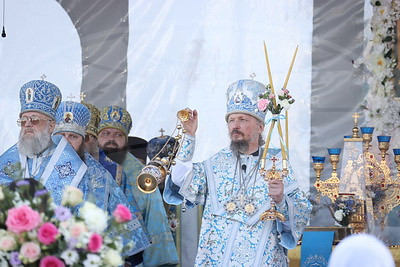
(34, 120)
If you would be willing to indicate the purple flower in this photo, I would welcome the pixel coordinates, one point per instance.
(72, 243)
(14, 260)
(22, 182)
(41, 193)
(62, 213)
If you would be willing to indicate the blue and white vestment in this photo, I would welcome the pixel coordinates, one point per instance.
(162, 250)
(237, 239)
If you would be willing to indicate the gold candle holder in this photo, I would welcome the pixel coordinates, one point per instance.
(318, 165)
(334, 160)
(334, 157)
(272, 214)
(383, 145)
(396, 152)
(367, 137)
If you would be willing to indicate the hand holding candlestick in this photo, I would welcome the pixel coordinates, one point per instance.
(274, 178)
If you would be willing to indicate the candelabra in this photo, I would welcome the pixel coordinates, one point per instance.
(363, 176)
(330, 186)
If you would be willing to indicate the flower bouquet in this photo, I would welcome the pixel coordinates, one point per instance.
(36, 232)
(266, 101)
(343, 207)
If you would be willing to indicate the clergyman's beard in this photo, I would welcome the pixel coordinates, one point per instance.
(115, 154)
(81, 152)
(34, 145)
(239, 146)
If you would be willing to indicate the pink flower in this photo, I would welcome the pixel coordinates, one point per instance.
(22, 219)
(286, 91)
(51, 261)
(77, 229)
(262, 104)
(47, 233)
(271, 96)
(95, 243)
(122, 214)
(30, 251)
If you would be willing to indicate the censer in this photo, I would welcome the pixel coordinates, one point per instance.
(157, 169)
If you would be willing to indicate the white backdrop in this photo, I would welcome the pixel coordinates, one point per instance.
(41, 39)
(180, 54)
(186, 53)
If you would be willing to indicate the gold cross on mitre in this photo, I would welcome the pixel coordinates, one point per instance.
(43, 77)
(82, 96)
(252, 76)
(162, 131)
(71, 97)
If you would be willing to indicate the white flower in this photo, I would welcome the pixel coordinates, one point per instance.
(285, 104)
(378, 62)
(72, 196)
(339, 215)
(7, 243)
(32, 234)
(1, 193)
(95, 218)
(92, 260)
(380, 66)
(113, 258)
(70, 256)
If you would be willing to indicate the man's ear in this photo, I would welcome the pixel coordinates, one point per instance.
(52, 124)
(262, 124)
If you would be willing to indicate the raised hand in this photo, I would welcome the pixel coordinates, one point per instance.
(190, 125)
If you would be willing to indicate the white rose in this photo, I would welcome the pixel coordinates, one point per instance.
(280, 92)
(113, 258)
(339, 215)
(72, 196)
(7, 243)
(95, 218)
(285, 104)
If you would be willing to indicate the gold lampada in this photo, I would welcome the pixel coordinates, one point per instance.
(397, 160)
(376, 176)
(157, 169)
